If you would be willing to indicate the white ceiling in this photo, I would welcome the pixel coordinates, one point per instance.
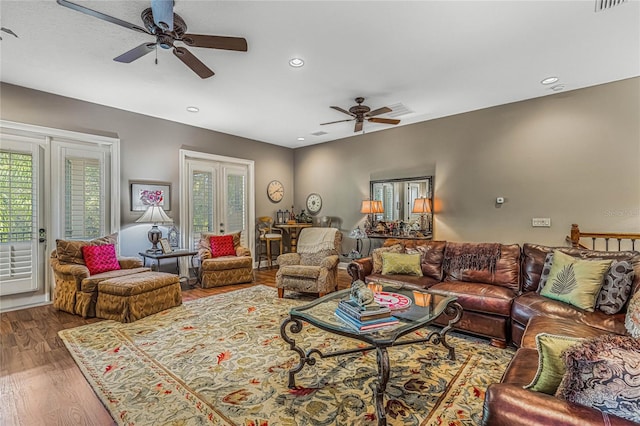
(437, 58)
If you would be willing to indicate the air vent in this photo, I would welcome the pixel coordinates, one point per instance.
(607, 4)
(319, 133)
(398, 110)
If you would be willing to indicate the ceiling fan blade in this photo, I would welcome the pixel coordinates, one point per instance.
(163, 14)
(102, 16)
(384, 120)
(192, 62)
(343, 111)
(136, 53)
(339, 121)
(216, 42)
(378, 111)
(358, 127)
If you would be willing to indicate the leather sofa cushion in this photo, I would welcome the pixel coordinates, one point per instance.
(529, 305)
(522, 368)
(507, 273)
(411, 280)
(478, 297)
(559, 326)
(533, 256)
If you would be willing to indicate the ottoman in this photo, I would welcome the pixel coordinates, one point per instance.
(129, 298)
(226, 270)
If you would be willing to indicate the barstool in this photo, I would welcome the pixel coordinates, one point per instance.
(267, 235)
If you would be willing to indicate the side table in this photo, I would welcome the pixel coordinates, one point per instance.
(177, 254)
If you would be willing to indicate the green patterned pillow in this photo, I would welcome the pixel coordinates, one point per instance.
(551, 366)
(575, 281)
(400, 263)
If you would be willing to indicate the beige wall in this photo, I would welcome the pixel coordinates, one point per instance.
(149, 149)
(573, 157)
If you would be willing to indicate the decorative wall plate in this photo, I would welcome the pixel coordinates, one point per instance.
(394, 301)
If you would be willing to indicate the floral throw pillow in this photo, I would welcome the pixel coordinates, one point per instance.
(603, 373)
(546, 270)
(632, 319)
(100, 258)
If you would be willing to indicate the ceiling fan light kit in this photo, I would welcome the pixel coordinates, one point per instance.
(168, 28)
(360, 112)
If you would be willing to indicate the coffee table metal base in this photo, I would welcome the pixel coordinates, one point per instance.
(437, 337)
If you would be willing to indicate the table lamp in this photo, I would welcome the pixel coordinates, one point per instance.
(154, 215)
(371, 207)
(422, 206)
(358, 234)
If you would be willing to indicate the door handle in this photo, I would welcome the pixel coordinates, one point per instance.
(42, 235)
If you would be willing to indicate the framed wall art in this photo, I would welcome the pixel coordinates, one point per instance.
(145, 193)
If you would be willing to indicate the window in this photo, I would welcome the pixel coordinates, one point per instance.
(84, 197)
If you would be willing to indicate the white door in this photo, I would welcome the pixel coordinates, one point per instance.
(22, 233)
(217, 197)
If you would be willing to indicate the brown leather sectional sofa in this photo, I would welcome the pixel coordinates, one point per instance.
(505, 307)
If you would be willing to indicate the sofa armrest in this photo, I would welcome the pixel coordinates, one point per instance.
(204, 253)
(330, 262)
(511, 405)
(289, 259)
(79, 272)
(129, 262)
(243, 251)
(358, 269)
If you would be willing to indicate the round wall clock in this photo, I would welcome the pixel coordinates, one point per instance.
(314, 203)
(275, 191)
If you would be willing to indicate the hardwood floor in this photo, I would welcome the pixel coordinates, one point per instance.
(40, 383)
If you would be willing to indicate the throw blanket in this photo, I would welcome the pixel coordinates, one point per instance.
(313, 240)
(476, 256)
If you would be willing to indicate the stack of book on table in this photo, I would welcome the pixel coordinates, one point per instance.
(364, 319)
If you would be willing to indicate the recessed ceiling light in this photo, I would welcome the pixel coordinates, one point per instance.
(296, 62)
(300, 138)
(193, 109)
(557, 87)
(550, 80)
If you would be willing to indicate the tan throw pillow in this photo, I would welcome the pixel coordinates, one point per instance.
(70, 251)
(551, 366)
(575, 281)
(377, 256)
(400, 263)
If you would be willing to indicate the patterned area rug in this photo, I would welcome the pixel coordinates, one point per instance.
(220, 360)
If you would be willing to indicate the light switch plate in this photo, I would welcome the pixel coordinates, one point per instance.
(544, 222)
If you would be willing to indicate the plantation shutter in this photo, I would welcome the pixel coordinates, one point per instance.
(84, 199)
(202, 204)
(236, 213)
(18, 202)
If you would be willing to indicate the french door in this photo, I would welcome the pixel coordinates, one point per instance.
(54, 184)
(21, 215)
(216, 197)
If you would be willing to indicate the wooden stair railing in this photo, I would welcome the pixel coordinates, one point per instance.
(576, 234)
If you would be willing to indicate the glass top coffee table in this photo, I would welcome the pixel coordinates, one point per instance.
(321, 314)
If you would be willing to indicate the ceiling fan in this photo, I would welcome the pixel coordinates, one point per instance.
(168, 27)
(360, 112)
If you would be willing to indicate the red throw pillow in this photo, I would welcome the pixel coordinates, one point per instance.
(222, 245)
(100, 258)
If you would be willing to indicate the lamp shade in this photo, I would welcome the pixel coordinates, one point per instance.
(371, 206)
(154, 214)
(421, 205)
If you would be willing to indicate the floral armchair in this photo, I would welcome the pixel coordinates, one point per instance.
(224, 264)
(314, 268)
(76, 289)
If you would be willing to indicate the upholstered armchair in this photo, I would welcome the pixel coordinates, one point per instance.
(76, 289)
(314, 268)
(225, 262)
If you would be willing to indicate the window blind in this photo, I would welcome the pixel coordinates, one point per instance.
(202, 203)
(84, 198)
(236, 214)
(18, 206)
